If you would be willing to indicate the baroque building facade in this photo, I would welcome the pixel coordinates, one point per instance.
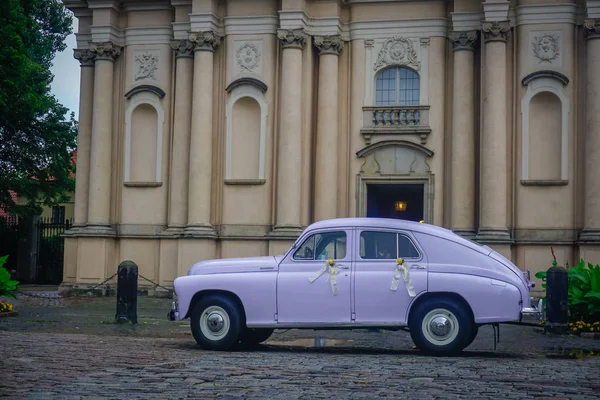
(222, 128)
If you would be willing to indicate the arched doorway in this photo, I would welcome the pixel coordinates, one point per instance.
(395, 181)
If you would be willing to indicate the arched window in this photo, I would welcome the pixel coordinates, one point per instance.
(397, 86)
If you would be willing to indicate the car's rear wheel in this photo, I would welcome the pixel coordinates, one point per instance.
(254, 336)
(441, 326)
(216, 322)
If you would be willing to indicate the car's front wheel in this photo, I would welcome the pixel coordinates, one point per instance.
(441, 326)
(216, 322)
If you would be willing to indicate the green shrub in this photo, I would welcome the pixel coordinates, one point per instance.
(583, 290)
(7, 285)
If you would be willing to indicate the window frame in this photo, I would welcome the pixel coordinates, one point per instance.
(312, 235)
(414, 243)
(398, 86)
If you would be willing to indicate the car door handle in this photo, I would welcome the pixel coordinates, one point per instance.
(343, 266)
(418, 267)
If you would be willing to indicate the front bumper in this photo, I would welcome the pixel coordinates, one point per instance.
(173, 314)
(536, 311)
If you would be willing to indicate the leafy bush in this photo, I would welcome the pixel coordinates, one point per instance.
(583, 290)
(7, 285)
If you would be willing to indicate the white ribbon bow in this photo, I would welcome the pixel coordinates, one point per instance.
(333, 272)
(402, 271)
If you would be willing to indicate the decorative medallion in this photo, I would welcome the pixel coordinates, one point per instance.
(546, 47)
(248, 57)
(146, 65)
(397, 51)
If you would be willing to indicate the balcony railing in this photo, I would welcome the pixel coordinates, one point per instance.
(396, 120)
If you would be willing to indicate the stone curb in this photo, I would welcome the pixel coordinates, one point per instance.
(9, 314)
(590, 335)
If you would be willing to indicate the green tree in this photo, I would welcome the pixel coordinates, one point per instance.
(36, 137)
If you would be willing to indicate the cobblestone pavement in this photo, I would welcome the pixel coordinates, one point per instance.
(70, 349)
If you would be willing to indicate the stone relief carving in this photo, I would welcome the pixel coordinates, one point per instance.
(204, 41)
(546, 47)
(248, 57)
(397, 51)
(463, 40)
(395, 160)
(592, 28)
(183, 48)
(146, 65)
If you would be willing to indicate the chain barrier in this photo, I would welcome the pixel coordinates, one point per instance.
(84, 294)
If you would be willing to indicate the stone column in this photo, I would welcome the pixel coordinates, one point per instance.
(289, 173)
(463, 134)
(326, 177)
(200, 172)
(591, 229)
(178, 193)
(101, 162)
(84, 135)
(494, 167)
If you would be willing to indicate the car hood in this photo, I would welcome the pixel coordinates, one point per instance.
(235, 265)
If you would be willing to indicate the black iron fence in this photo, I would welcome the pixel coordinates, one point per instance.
(50, 250)
(9, 241)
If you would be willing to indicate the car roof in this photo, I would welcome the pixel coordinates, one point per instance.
(391, 223)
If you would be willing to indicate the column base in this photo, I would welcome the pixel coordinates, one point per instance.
(466, 233)
(494, 235)
(589, 236)
(200, 231)
(92, 230)
(173, 231)
(286, 232)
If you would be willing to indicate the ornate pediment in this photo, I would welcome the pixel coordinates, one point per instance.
(397, 51)
(395, 157)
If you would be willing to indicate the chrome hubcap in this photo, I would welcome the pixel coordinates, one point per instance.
(215, 322)
(440, 326)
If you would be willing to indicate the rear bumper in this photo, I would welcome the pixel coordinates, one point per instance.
(535, 310)
(173, 314)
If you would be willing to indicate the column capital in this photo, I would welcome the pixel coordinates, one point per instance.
(105, 50)
(204, 41)
(496, 31)
(592, 28)
(85, 57)
(332, 44)
(292, 38)
(463, 40)
(183, 48)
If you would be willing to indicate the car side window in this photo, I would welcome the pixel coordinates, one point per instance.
(406, 248)
(378, 245)
(323, 246)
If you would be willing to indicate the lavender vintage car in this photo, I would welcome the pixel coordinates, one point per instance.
(353, 273)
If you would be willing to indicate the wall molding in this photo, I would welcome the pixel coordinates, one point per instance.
(137, 99)
(466, 21)
(152, 35)
(546, 14)
(236, 94)
(253, 25)
(544, 83)
(107, 33)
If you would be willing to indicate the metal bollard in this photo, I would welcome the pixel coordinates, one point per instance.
(557, 300)
(127, 292)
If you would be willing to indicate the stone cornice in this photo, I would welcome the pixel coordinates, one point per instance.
(292, 38)
(85, 57)
(183, 48)
(463, 40)
(105, 50)
(546, 14)
(592, 28)
(496, 31)
(204, 41)
(332, 44)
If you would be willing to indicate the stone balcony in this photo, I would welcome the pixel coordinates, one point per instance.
(395, 120)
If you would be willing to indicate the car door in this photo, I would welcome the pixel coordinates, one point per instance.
(379, 298)
(305, 293)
